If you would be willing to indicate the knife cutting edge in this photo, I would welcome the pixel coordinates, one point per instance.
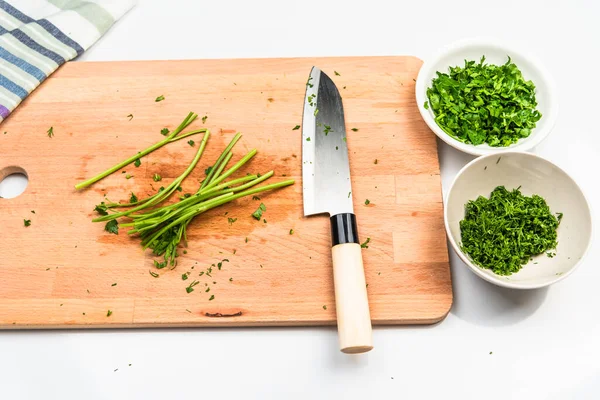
(327, 189)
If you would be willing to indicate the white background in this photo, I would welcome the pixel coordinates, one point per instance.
(545, 344)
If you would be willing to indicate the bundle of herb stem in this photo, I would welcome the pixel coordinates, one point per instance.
(161, 228)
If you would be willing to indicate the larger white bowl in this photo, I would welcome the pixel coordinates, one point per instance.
(495, 53)
(534, 175)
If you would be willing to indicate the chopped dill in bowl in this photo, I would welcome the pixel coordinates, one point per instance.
(484, 103)
(503, 232)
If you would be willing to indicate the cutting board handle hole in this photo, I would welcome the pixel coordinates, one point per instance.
(13, 182)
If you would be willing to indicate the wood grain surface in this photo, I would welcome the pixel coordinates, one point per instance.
(64, 271)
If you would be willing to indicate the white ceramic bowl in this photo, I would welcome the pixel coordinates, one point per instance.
(495, 53)
(535, 175)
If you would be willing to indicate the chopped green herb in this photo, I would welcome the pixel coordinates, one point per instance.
(191, 143)
(550, 254)
(160, 98)
(137, 163)
(308, 82)
(336, 73)
(255, 198)
(349, 193)
(259, 211)
(211, 298)
(108, 313)
(154, 274)
(316, 112)
(246, 239)
(204, 119)
(482, 103)
(157, 178)
(426, 105)
(114, 284)
(503, 232)
(160, 265)
(324, 307)
(33, 211)
(230, 279)
(365, 244)
(354, 129)
(127, 176)
(133, 198)
(112, 226)
(164, 131)
(291, 231)
(308, 139)
(231, 220)
(367, 202)
(184, 276)
(130, 116)
(326, 129)
(26, 222)
(296, 128)
(190, 288)
(51, 132)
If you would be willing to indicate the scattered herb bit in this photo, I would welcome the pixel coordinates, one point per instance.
(231, 220)
(264, 220)
(482, 103)
(160, 265)
(112, 226)
(255, 198)
(234, 251)
(324, 307)
(258, 213)
(160, 98)
(376, 162)
(503, 232)
(367, 202)
(296, 128)
(154, 274)
(184, 276)
(326, 129)
(426, 105)
(130, 116)
(336, 147)
(133, 198)
(127, 176)
(349, 193)
(137, 163)
(207, 290)
(33, 211)
(108, 313)
(316, 112)
(354, 129)
(204, 119)
(498, 160)
(157, 178)
(490, 352)
(164, 131)
(211, 298)
(230, 279)
(185, 252)
(51, 132)
(365, 245)
(190, 288)
(26, 222)
(291, 231)
(308, 139)
(308, 82)
(246, 239)
(191, 143)
(550, 254)
(114, 284)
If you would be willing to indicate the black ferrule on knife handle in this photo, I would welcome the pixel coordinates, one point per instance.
(343, 229)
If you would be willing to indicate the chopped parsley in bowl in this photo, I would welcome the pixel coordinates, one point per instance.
(484, 98)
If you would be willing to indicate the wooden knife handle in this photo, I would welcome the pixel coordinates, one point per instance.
(352, 304)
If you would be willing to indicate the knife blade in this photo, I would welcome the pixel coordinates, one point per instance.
(327, 189)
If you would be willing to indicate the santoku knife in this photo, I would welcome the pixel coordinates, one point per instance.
(327, 189)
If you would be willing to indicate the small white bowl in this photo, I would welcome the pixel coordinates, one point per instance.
(535, 175)
(495, 53)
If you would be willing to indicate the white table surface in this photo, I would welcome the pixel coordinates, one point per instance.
(497, 343)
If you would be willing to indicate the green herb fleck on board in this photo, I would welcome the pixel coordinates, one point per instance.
(190, 288)
(159, 98)
(130, 116)
(354, 129)
(296, 128)
(108, 313)
(231, 220)
(137, 163)
(112, 227)
(185, 276)
(27, 222)
(164, 131)
(291, 231)
(51, 132)
(156, 178)
(326, 129)
(365, 244)
(308, 139)
(211, 298)
(154, 274)
(133, 198)
(259, 212)
(324, 307)
(191, 143)
(114, 284)
(367, 202)
(101, 209)
(204, 119)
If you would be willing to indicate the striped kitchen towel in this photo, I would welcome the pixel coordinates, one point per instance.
(37, 36)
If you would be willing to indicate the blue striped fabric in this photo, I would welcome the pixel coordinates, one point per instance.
(33, 48)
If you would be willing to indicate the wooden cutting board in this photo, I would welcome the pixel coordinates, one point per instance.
(65, 271)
